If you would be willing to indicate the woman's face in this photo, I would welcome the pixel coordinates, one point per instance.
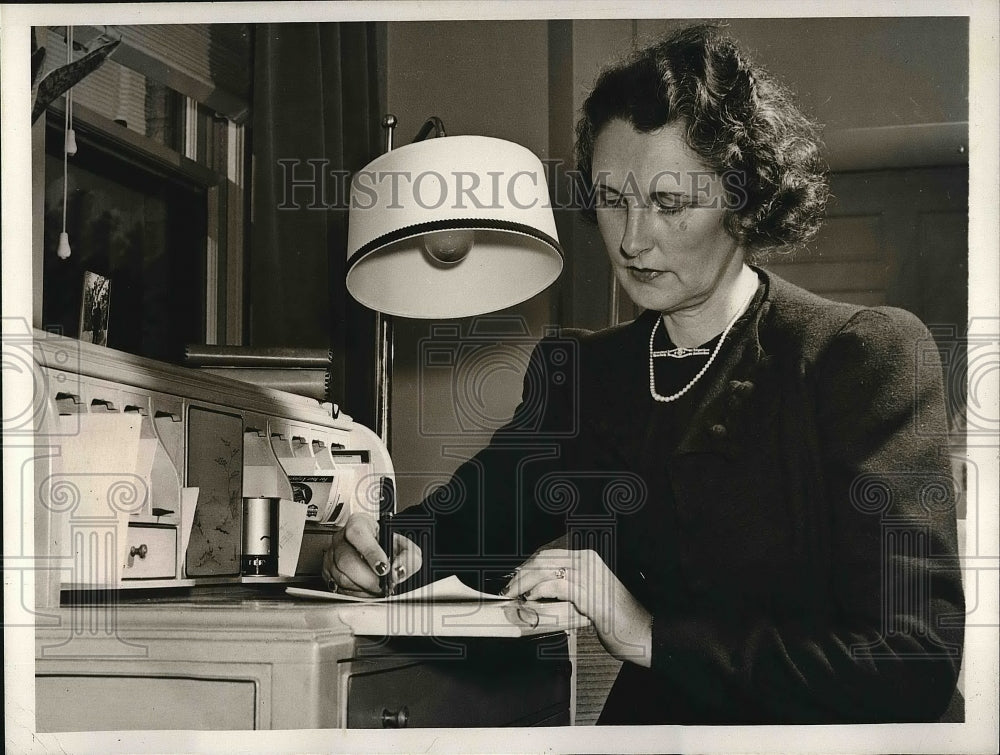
(660, 212)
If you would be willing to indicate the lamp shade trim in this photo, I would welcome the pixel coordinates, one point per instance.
(419, 229)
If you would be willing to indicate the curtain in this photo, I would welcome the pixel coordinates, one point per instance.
(316, 117)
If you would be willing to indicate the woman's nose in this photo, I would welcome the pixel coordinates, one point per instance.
(636, 238)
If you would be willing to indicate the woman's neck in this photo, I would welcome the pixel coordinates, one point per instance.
(693, 327)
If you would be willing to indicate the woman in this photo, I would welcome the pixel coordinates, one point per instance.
(759, 515)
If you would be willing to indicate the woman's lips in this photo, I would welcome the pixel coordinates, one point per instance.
(643, 275)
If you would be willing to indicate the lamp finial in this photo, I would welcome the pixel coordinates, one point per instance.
(389, 124)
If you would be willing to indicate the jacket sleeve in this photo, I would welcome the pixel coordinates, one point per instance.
(491, 514)
(887, 646)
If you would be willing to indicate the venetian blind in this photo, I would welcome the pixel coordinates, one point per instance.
(210, 63)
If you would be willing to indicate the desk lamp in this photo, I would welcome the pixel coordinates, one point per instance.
(447, 227)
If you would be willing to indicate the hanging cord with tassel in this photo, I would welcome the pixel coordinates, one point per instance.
(69, 148)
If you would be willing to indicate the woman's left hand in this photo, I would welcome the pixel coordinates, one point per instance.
(623, 625)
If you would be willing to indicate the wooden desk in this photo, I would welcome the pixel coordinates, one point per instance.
(288, 664)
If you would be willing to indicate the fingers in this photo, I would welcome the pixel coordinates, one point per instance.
(327, 570)
(345, 566)
(361, 532)
(355, 561)
(553, 589)
(406, 560)
(356, 593)
(544, 566)
(351, 572)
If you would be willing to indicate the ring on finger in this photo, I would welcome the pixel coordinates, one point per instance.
(560, 572)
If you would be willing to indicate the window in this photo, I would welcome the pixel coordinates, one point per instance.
(140, 227)
(154, 196)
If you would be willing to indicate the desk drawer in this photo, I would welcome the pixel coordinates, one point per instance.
(488, 683)
(160, 560)
(78, 702)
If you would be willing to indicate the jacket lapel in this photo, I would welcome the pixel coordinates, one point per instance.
(722, 421)
(733, 400)
(616, 401)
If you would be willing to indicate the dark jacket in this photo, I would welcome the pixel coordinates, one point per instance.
(795, 541)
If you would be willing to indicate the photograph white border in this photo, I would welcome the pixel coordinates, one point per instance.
(978, 734)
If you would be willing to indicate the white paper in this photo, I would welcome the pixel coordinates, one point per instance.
(449, 588)
(189, 502)
(164, 483)
(260, 481)
(460, 618)
(144, 467)
(108, 442)
(263, 476)
(291, 524)
(294, 465)
(348, 481)
(98, 462)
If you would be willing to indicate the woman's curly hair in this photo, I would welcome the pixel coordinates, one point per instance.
(736, 118)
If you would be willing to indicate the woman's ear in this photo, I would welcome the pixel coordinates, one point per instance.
(736, 225)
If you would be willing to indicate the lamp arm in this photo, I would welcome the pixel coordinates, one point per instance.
(434, 123)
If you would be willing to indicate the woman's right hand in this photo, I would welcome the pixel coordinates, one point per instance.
(354, 562)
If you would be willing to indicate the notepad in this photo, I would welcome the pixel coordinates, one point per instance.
(449, 588)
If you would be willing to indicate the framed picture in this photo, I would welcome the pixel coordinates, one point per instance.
(95, 308)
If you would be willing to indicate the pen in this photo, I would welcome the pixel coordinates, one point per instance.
(387, 504)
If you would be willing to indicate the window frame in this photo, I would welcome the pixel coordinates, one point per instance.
(214, 159)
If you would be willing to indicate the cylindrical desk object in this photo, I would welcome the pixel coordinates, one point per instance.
(260, 537)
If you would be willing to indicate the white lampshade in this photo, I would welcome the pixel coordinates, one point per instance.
(449, 194)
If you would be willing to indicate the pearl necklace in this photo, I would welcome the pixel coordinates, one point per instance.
(704, 369)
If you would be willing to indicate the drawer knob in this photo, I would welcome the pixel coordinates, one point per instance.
(397, 719)
(138, 550)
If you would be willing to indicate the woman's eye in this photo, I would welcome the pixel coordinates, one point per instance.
(669, 208)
